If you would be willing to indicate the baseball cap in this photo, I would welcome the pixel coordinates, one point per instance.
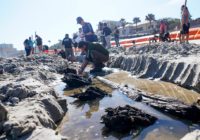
(79, 19)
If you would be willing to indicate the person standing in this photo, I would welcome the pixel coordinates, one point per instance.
(95, 53)
(107, 33)
(31, 43)
(27, 47)
(77, 37)
(80, 35)
(100, 34)
(67, 43)
(87, 29)
(162, 31)
(116, 36)
(185, 24)
(39, 43)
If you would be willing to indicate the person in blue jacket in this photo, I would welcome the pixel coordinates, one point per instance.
(88, 32)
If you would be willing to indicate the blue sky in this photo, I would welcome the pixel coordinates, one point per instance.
(52, 19)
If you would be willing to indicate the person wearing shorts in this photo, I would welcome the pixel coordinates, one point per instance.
(185, 25)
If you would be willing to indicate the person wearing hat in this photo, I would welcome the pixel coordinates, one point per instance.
(88, 32)
(95, 53)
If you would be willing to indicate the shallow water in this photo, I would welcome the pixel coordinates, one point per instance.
(155, 87)
(82, 121)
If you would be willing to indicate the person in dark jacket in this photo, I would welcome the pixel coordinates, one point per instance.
(107, 33)
(95, 53)
(27, 47)
(39, 43)
(62, 54)
(88, 32)
(116, 36)
(68, 44)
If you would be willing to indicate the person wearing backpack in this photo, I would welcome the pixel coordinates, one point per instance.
(39, 43)
(95, 53)
(107, 33)
(88, 32)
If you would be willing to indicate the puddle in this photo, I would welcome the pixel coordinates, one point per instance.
(82, 121)
(155, 87)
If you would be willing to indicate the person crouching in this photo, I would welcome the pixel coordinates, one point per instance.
(95, 53)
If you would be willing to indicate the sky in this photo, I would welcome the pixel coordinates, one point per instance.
(52, 19)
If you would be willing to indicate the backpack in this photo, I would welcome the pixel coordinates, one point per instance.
(26, 43)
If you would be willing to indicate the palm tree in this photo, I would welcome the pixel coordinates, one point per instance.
(123, 22)
(136, 20)
(49, 42)
(150, 18)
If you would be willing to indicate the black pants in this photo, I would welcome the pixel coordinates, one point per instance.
(28, 51)
(98, 59)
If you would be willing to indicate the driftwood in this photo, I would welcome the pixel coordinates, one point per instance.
(124, 119)
(91, 93)
(162, 103)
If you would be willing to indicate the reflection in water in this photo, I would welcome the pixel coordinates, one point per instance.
(82, 121)
(93, 106)
(155, 87)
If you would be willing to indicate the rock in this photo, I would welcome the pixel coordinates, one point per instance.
(137, 98)
(3, 113)
(194, 135)
(20, 92)
(198, 101)
(75, 81)
(2, 97)
(20, 131)
(62, 103)
(28, 82)
(178, 109)
(42, 76)
(1, 69)
(14, 129)
(44, 133)
(14, 100)
(60, 67)
(91, 93)
(53, 93)
(10, 68)
(70, 70)
(54, 109)
(45, 120)
(4, 88)
(124, 119)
